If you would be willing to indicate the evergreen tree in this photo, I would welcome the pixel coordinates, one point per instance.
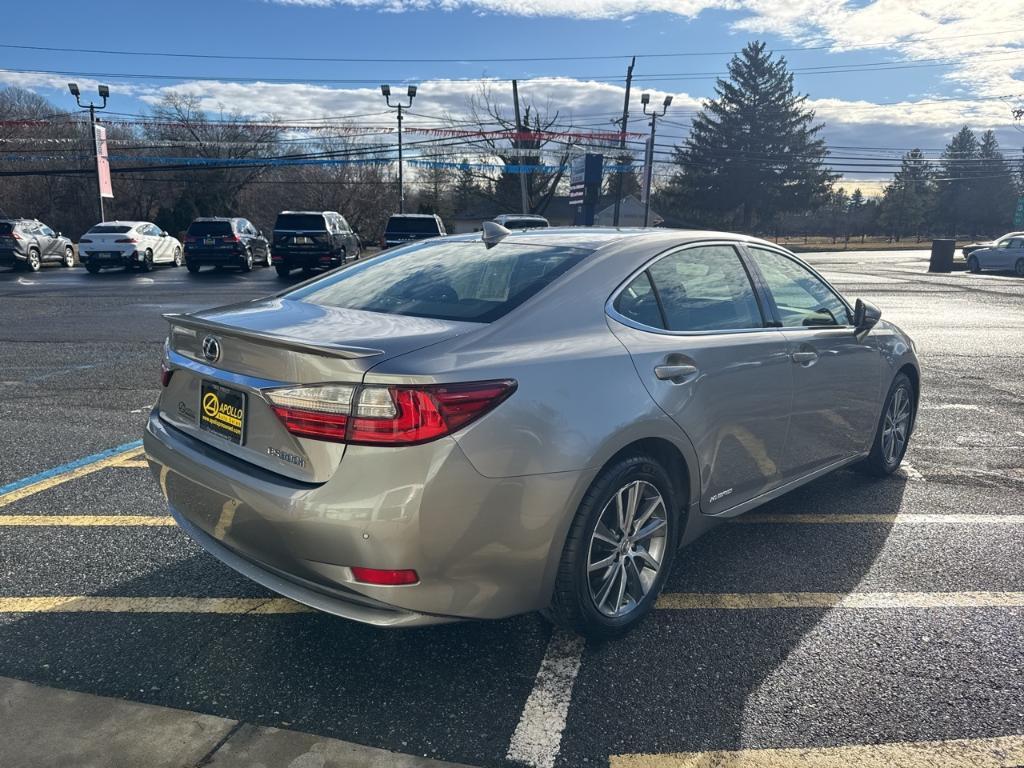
(754, 151)
(908, 201)
(957, 187)
(995, 194)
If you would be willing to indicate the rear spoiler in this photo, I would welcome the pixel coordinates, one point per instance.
(343, 351)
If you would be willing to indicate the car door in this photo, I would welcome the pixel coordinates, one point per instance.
(698, 335)
(348, 238)
(163, 248)
(47, 241)
(1008, 256)
(837, 378)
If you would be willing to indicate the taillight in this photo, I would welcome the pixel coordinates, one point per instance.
(382, 415)
(231, 239)
(127, 240)
(165, 374)
(16, 236)
(83, 240)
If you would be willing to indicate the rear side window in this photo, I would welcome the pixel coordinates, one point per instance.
(413, 225)
(201, 228)
(639, 303)
(109, 229)
(444, 280)
(300, 221)
(705, 289)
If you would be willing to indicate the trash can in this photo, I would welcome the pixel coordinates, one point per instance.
(942, 256)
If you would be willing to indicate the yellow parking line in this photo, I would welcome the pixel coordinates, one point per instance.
(86, 520)
(90, 604)
(689, 601)
(998, 752)
(867, 517)
(28, 490)
(136, 463)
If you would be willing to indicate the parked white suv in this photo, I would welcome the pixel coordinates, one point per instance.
(128, 244)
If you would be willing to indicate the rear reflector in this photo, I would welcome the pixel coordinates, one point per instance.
(381, 415)
(165, 374)
(389, 578)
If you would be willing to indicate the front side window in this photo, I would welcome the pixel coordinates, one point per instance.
(705, 289)
(444, 280)
(802, 299)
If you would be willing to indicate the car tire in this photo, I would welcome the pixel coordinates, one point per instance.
(193, 269)
(69, 257)
(247, 262)
(93, 269)
(594, 600)
(146, 265)
(33, 263)
(885, 458)
(1018, 268)
(973, 265)
(267, 260)
(177, 258)
(282, 271)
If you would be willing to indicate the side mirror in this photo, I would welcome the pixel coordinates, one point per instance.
(865, 317)
(163, 233)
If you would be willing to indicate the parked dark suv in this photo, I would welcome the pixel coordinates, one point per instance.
(224, 242)
(405, 227)
(312, 240)
(28, 243)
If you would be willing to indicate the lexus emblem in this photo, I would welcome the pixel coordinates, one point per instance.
(211, 349)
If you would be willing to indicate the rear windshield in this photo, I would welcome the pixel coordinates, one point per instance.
(445, 280)
(210, 228)
(109, 229)
(6, 227)
(409, 225)
(524, 224)
(300, 221)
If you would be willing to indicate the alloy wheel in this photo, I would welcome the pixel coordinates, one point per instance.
(69, 257)
(896, 427)
(177, 257)
(33, 260)
(627, 548)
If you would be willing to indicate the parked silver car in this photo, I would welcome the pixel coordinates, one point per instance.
(1006, 254)
(28, 244)
(478, 427)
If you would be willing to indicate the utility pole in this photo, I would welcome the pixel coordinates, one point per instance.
(622, 141)
(525, 199)
(411, 93)
(104, 92)
(645, 99)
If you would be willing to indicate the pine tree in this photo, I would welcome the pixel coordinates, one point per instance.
(957, 185)
(995, 194)
(908, 201)
(754, 151)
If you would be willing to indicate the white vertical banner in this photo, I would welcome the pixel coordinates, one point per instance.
(103, 162)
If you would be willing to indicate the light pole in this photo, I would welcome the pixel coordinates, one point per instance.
(386, 91)
(645, 99)
(104, 92)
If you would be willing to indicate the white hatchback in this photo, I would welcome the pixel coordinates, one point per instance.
(128, 244)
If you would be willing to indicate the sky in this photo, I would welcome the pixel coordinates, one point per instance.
(883, 75)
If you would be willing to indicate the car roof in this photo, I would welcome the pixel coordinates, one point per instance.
(593, 238)
(306, 213)
(122, 223)
(535, 216)
(217, 218)
(413, 215)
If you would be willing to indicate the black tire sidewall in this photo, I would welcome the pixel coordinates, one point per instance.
(877, 457)
(1018, 268)
(972, 265)
(591, 621)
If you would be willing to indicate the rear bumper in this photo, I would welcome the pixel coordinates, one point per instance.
(110, 258)
(281, 256)
(482, 547)
(211, 257)
(10, 257)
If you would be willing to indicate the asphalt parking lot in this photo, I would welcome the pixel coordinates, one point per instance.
(852, 620)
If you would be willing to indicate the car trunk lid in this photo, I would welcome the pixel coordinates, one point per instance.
(240, 352)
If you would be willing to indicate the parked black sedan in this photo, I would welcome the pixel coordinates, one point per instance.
(28, 244)
(223, 242)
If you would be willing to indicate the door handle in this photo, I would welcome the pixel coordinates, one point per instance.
(674, 373)
(804, 357)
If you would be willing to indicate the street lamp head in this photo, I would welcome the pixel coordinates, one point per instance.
(104, 91)
(668, 101)
(645, 99)
(73, 87)
(385, 90)
(412, 91)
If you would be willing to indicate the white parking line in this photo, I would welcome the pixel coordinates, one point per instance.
(538, 736)
(910, 472)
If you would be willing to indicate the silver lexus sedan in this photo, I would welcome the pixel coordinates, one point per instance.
(474, 427)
